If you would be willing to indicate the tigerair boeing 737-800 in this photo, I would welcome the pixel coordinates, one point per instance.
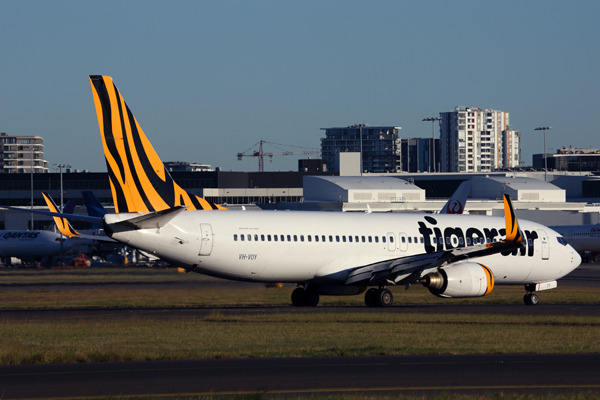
(323, 253)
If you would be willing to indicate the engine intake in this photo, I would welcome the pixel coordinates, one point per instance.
(468, 279)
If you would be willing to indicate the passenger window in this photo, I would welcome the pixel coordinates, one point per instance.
(289, 238)
(350, 239)
(275, 237)
(330, 238)
(249, 238)
(383, 239)
(468, 242)
(356, 239)
(421, 240)
(454, 241)
(282, 238)
(460, 241)
(316, 238)
(235, 238)
(370, 239)
(391, 239)
(295, 238)
(409, 239)
(363, 239)
(309, 238)
(256, 238)
(337, 238)
(262, 238)
(323, 238)
(344, 239)
(302, 238)
(415, 239)
(242, 237)
(269, 238)
(529, 242)
(434, 240)
(376, 239)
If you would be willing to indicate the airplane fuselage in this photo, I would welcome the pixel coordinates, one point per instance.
(275, 246)
(581, 237)
(23, 244)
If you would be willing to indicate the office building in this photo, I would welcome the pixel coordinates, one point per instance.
(417, 155)
(570, 159)
(21, 154)
(379, 145)
(478, 140)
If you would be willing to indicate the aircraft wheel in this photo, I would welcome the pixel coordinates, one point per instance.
(311, 299)
(384, 297)
(371, 297)
(531, 299)
(298, 297)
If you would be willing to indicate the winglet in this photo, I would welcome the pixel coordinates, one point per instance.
(61, 223)
(513, 233)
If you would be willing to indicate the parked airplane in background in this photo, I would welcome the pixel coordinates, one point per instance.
(458, 200)
(324, 253)
(32, 244)
(581, 237)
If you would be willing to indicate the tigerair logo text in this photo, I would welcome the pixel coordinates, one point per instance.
(456, 237)
(20, 235)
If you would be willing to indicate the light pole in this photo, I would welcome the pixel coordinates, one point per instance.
(433, 119)
(60, 167)
(544, 128)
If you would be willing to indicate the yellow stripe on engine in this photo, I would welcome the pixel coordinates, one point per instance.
(489, 280)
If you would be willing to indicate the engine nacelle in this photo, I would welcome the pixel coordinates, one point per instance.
(467, 279)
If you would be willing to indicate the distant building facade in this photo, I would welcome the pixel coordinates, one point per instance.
(185, 166)
(380, 146)
(22, 154)
(478, 140)
(417, 155)
(570, 159)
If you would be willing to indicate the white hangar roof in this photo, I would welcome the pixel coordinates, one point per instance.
(360, 189)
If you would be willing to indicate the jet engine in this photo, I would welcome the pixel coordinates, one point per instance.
(468, 279)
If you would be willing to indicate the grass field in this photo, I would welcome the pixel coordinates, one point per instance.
(293, 335)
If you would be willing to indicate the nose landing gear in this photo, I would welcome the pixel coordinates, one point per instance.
(531, 299)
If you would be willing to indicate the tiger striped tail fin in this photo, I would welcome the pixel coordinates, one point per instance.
(138, 179)
(61, 223)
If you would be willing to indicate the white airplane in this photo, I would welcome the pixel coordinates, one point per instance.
(324, 253)
(32, 244)
(581, 237)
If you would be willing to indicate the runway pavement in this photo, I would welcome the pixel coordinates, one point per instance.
(308, 376)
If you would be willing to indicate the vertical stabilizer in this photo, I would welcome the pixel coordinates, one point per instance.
(138, 179)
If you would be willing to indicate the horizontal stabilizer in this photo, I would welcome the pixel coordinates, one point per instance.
(153, 220)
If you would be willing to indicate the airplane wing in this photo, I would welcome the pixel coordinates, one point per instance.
(86, 218)
(408, 269)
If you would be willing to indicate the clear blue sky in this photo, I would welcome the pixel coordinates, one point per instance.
(208, 79)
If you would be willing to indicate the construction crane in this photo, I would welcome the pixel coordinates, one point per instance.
(261, 154)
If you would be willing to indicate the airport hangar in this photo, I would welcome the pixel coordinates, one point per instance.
(567, 198)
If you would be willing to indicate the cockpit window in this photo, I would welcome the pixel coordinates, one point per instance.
(561, 240)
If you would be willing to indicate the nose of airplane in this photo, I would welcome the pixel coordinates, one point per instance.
(576, 258)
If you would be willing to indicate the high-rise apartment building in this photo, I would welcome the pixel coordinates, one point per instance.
(379, 145)
(478, 140)
(21, 154)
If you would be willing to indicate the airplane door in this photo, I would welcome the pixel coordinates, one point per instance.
(402, 241)
(545, 245)
(391, 241)
(206, 240)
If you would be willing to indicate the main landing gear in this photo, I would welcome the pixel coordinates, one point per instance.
(304, 298)
(381, 297)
